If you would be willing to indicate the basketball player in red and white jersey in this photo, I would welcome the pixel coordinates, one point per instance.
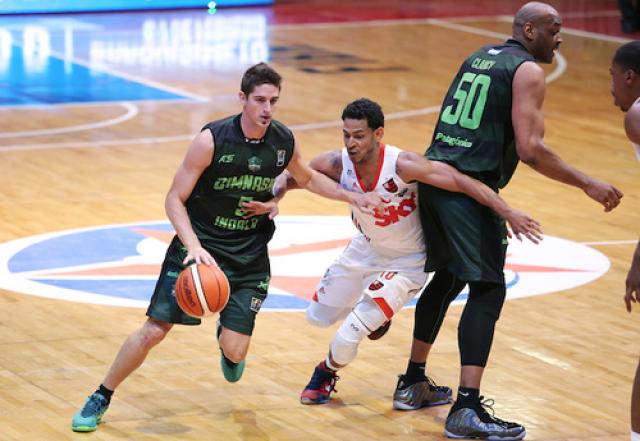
(625, 88)
(383, 266)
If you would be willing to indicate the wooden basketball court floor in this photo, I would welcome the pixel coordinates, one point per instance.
(562, 363)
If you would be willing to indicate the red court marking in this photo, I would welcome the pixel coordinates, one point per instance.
(303, 287)
(121, 270)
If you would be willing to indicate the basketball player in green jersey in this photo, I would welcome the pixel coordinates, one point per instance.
(491, 119)
(231, 162)
(625, 87)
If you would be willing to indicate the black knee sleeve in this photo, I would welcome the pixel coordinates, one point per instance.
(477, 324)
(433, 304)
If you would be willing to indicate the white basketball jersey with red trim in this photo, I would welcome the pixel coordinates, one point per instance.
(396, 229)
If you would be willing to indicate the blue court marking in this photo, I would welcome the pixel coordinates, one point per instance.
(83, 248)
(126, 289)
(57, 82)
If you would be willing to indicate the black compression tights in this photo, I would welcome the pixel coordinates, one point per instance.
(433, 304)
(475, 330)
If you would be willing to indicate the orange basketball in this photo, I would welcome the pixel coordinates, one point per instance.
(202, 290)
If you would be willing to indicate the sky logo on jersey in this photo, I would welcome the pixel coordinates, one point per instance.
(119, 264)
(390, 186)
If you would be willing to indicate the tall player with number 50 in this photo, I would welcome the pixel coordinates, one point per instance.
(491, 118)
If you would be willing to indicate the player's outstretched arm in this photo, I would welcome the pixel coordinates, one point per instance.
(329, 164)
(198, 157)
(413, 167)
(528, 125)
(323, 185)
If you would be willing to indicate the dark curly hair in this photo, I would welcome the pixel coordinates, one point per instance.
(364, 108)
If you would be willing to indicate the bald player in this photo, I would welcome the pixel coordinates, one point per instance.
(490, 120)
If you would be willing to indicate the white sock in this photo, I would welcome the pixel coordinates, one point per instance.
(327, 363)
(635, 436)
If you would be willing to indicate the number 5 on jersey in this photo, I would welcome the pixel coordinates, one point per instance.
(239, 212)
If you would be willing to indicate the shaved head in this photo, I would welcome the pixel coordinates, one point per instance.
(536, 26)
(534, 13)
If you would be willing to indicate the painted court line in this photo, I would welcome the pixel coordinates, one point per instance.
(612, 242)
(132, 111)
(181, 138)
(584, 34)
(543, 357)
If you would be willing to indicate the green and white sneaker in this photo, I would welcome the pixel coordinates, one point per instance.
(88, 418)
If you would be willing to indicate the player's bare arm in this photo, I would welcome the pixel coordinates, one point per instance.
(413, 167)
(198, 157)
(528, 125)
(324, 186)
(632, 123)
(632, 291)
(325, 183)
(329, 164)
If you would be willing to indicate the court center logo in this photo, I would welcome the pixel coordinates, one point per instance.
(119, 264)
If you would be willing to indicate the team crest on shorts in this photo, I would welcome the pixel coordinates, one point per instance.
(375, 285)
(118, 265)
(256, 304)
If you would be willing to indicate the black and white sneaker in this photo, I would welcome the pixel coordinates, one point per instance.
(424, 393)
(477, 423)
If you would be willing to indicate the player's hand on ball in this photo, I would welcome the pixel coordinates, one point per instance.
(198, 254)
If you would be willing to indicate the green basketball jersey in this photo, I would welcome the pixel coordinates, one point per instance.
(241, 170)
(474, 132)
